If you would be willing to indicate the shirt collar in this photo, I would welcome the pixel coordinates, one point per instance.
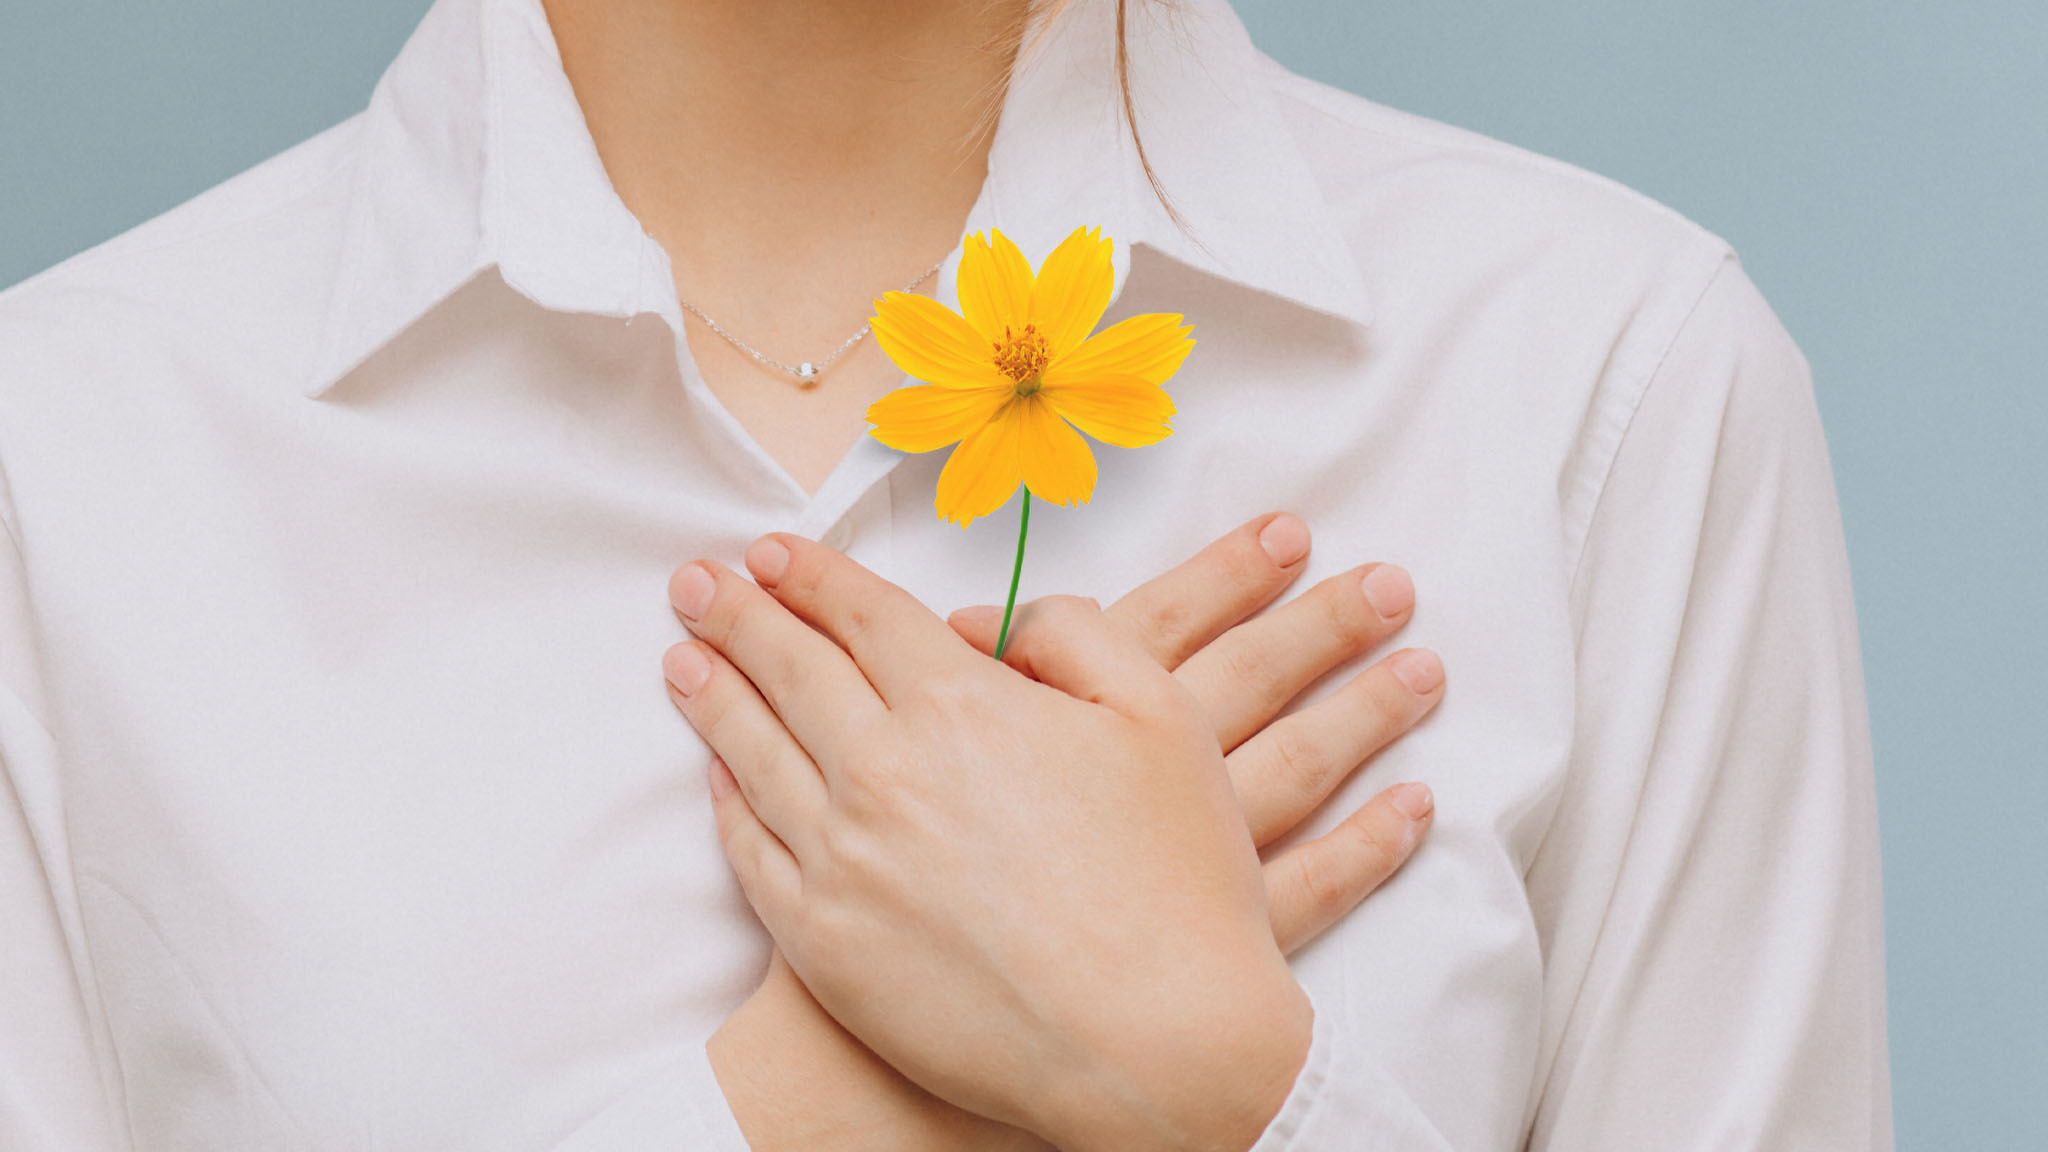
(1212, 132)
(474, 154)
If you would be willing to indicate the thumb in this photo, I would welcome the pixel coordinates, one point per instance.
(1068, 643)
(979, 626)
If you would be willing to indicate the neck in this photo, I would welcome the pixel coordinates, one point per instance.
(841, 140)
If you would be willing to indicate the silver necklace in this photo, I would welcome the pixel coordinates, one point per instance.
(806, 373)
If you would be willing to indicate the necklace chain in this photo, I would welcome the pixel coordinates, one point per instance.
(807, 372)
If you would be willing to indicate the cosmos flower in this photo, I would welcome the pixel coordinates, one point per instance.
(1015, 373)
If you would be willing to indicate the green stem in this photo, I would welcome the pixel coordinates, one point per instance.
(1016, 574)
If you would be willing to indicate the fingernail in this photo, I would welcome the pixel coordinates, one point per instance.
(692, 591)
(1285, 539)
(768, 559)
(1389, 591)
(1419, 669)
(686, 668)
(722, 782)
(1412, 800)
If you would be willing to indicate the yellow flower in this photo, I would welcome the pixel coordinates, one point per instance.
(1015, 372)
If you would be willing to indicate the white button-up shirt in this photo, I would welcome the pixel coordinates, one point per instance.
(344, 805)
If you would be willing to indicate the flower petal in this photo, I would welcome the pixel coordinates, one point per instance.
(1073, 289)
(1058, 467)
(983, 470)
(1149, 347)
(995, 284)
(927, 417)
(1126, 411)
(931, 342)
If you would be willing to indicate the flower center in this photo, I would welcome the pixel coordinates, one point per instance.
(1022, 357)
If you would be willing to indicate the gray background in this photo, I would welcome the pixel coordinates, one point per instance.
(1882, 168)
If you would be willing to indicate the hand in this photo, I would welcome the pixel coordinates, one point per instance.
(1244, 672)
(799, 1082)
(948, 862)
(1258, 587)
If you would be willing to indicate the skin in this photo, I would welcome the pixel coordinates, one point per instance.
(795, 158)
(1240, 675)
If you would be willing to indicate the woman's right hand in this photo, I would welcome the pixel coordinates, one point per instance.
(1191, 621)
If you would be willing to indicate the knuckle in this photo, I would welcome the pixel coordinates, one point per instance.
(732, 622)
(1387, 707)
(1300, 761)
(817, 581)
(881, 770)
(732, 818)
(1322, 885)
(1374, 851)
(1165, 618)
(806, 578)
(1241, 562)
(760, 850)
(866, 785)
(1234, 560)
(1041, 626)
(952, 697)
(1061, 612)
(1345, 614)
(751, 638)
(834, 845)
(856, 620)
(1248, 667)
(1054, 644)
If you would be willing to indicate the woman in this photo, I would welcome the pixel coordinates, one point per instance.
(343, 811)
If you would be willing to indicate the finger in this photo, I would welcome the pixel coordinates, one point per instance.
(980, 626)
(1068, 643)
(1313, 884)
(806, 678)
(781, 783)
(1288, 770)
(1250, 673)
(768, 874)
(898, 642)
(1184, 609)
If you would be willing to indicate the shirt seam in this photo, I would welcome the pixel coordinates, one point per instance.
(1547, 1060)
(1584, 529)
(84, 967)
(1314, 96)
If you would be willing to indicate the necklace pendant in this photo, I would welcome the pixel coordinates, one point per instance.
(807, 374)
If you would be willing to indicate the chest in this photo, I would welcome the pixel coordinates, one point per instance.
(382, 820)
(806, 428)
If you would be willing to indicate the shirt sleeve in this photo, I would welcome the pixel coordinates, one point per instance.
(56, 1089)
(1343, 1098)
(1709, 894)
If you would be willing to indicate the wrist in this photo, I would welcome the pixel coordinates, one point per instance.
(1209, 1075)
(796, 1080)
